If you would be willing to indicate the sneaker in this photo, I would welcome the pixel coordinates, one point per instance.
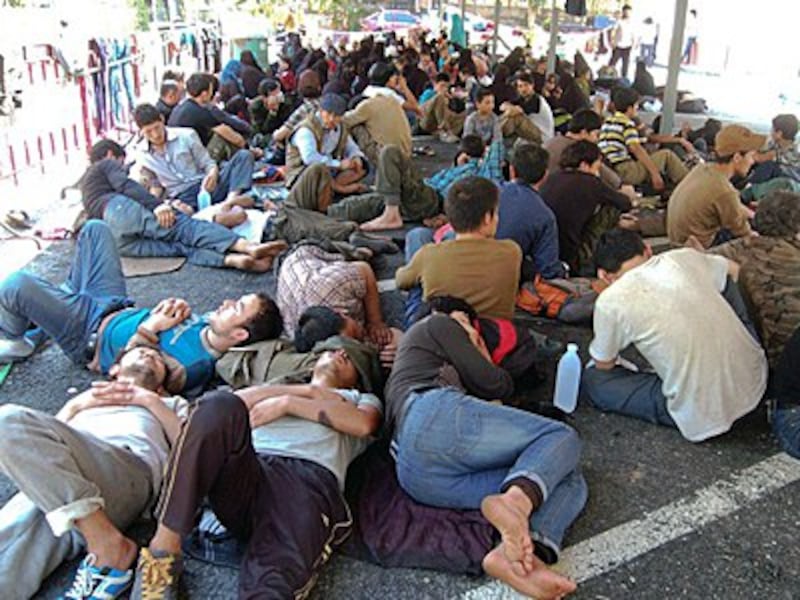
(448, 138)
(16, 349)
(98, 583)
(157, 576)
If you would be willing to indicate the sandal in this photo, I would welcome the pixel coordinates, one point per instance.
(18, 219)
(423, 151)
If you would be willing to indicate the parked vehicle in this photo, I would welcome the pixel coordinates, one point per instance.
(390, 20)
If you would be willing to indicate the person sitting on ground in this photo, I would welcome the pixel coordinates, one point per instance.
(194, 113)
(269, 110)
(585, 124)
(484, 122)
(443, 375)
(528, 116)
(705, 205)
(90, 317)
(309, 276)
(785, 408)
(770, 270)
(322, 156)
(623, 147)
(175, 165)
(84, 476)
(309, 88)
(169, 96)
(251, 74)
(272, 462)
(145, 226)
(474, 266)
(781, 157)
(380, 120)
(583, 205)
(524, 216)
(439, 117)
(709, 368)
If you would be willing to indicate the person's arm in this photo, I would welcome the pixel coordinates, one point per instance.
(492, 165)
(118, 179)
(284, 131)
(643, 157)
(610, 197)
(478, 374)
(658, 138)
(470, 125)
(377, 330)
(357, 116)
(257, 393)
(166, 315)
(202, 159)
(306, 145)
(497, 132)
(545, 252)
(608, 339)
(336, 412)
(227, 133)
(610, 176)
(410, 275)
(410, 103)
(732, 215)
(351, 151)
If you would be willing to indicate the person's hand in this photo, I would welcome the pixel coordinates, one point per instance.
(269, 410)
(389, 352)
(122, 392)
(378, 333)
(268, 205)
(630, 192)
(257, 153)
(167, 314)
(210, 181)
(688, 146)
(346, 164)
(658, 181)
(183, 207)
(165, 215)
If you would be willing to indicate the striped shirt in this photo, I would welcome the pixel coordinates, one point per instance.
(616, 135)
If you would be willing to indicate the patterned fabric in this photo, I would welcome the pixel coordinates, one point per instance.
(787, 158)
(309, 276)
(489, 167)
(309, 106)
(616, 135)
(770, 282)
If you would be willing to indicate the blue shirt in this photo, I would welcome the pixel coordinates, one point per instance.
(526, 219)
(489, 167)
(184, 343)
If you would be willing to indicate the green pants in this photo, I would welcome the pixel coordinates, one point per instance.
(666, 161)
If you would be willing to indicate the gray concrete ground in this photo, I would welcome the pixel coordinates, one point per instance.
(746, 549)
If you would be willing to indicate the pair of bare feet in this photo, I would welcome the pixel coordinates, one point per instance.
(390, 219)
(513, 561)
(258, 258)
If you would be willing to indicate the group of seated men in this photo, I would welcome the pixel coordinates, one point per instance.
(716, 319)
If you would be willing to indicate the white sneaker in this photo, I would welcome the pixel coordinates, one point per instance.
(448, 138)
(16, 349)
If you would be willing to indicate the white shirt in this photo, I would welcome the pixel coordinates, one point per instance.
(544, 120)
(252, 229)
(671, 309)
(375, 90)
(625, 35)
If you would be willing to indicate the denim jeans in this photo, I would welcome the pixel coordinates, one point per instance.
(453, 450)
(63, 475)
(786, 427)
(137, 233)
(235, 174)
(72, 312)
(415, 239)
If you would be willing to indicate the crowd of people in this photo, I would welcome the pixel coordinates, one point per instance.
(547, 184)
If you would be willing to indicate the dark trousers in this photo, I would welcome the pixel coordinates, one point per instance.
(625, 55)
(289, 511)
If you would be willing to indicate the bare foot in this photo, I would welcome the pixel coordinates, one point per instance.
(230, 218)
(244, 262)
(119, 554)
(271, 249)
(508, 513)
(243, 200)
(382, 223)
(540, 583)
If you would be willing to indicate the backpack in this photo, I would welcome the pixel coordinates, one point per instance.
(568, 300)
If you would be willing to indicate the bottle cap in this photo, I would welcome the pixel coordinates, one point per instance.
(572, 347)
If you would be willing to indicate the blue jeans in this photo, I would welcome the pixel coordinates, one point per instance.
(72, 312)
(137, 233)
(235, 175)
(786, 427)
(415, 239)
(453, 450)
(628, 393)
(786, 390)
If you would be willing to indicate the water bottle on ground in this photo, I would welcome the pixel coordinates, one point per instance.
(568, 380)
(203, 199)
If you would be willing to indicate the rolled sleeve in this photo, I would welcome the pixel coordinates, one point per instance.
(62, 519)
(200, 155)
(609, 338)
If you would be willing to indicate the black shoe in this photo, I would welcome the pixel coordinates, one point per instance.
(379, 245)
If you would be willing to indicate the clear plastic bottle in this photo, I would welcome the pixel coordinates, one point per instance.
(568, 380)
(203, 199)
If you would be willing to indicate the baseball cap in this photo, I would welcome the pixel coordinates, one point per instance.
(333, 103)
(737, 138)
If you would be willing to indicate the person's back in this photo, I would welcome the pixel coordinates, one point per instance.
(190, 114)
(383, 116)
(672, 309)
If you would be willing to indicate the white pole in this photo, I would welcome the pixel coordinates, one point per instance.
(675, 54)
(551, 52)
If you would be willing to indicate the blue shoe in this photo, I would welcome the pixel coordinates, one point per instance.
(98, 583)
(13, 350)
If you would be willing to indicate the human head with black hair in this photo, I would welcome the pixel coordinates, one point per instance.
(252, 318)
(178, 77)
(318, 323)
(200, 88)
(529, 164)
(106, 149)
(151, 124)
(626, 100)
(471, 206)
(784, 128)
(585, 124)
(525, 84)
(446, 305)
(626, 11)
(142, 365)
(309, 85)
(170, 92)
(778, 215)
(382, 74)
(617, 252)
(470, 148)
(583, 156)
(484, 101)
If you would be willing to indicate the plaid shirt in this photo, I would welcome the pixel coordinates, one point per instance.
(489, 167)
(309, 276)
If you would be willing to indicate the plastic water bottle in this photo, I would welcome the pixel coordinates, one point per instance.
(568, 380)
(203, 199)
